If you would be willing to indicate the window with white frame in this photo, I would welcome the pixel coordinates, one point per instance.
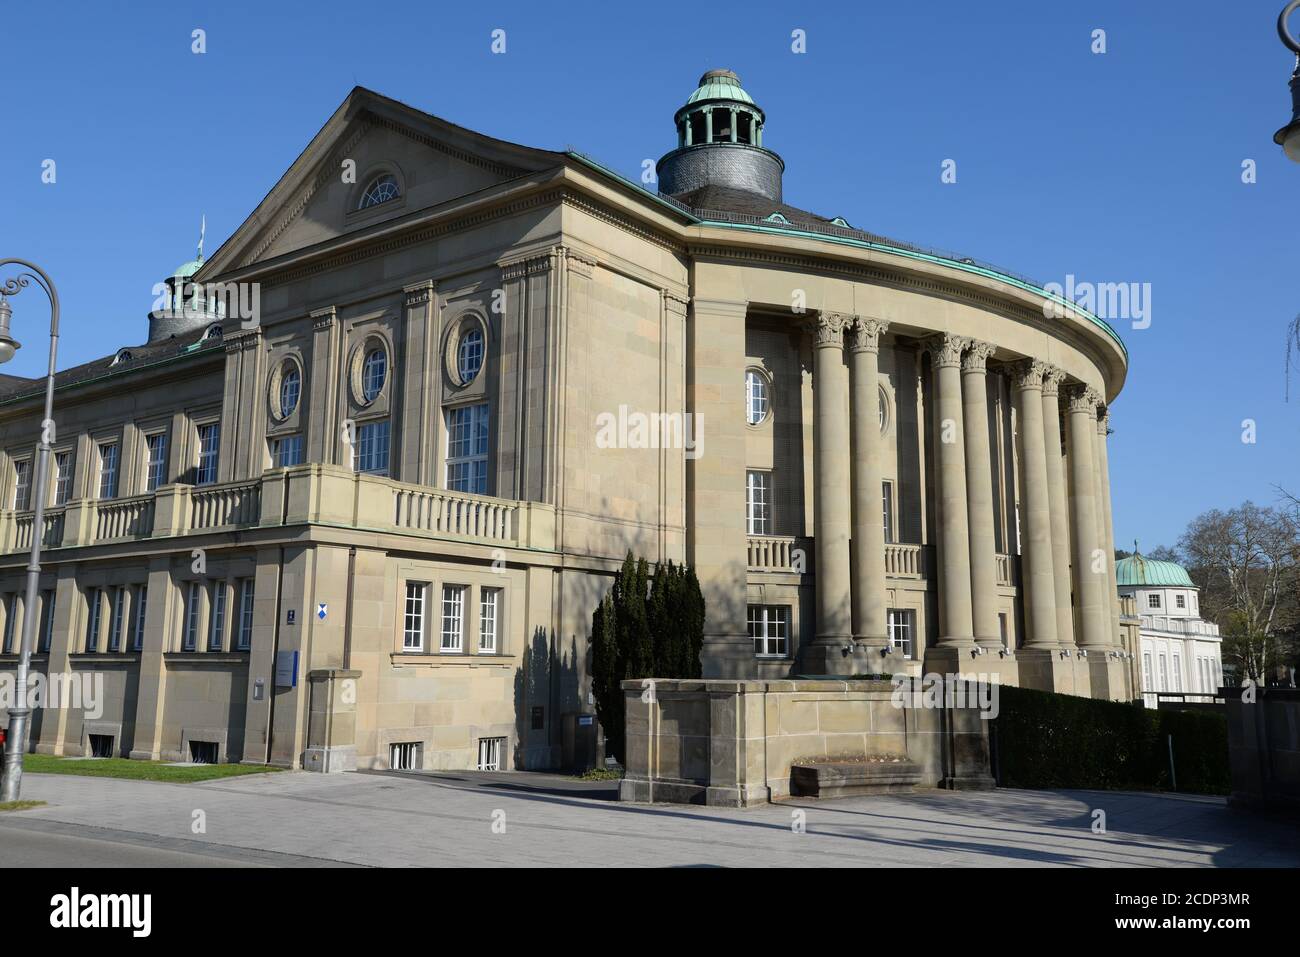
(209, 449)
(1180, 600)
(489, 753)
(900, 625)
(488, 620)
(217, 619)
(1178, 672)
(374, 370)
(769, 627)
(47, 620)
(1146, 672)
(244, 635)
(286, 451)
(758, 510)
(382, 189)
(417, 594)
(405, 756)
(372, 448)
(758, 396)
(193, 598)
(22, 485)
(155, 461)
(1162, 672)
(95, 619)
(887, 503)
(467, 448)
(117, 619)
(1153, 600)
(107, 470)
(138, 617)
(290, 388)
(453, 619)
(469, 354)
(62, 477)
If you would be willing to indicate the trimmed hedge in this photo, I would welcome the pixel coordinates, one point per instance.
(1048, 740)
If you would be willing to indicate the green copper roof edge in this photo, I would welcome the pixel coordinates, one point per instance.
(929, 257)
(185, 353)
(601, 168)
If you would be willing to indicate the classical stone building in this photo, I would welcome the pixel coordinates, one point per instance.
(1180, 650)
(358, 499)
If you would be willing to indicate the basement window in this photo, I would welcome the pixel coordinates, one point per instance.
(405, 756)
(204, 752)
(489, 753)
(101, 745)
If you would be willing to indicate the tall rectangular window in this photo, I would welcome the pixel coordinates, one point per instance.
(286, 451)
(372, 448)
(22, 485)
(116, 619)
(108, 470)
(11, 619)
(467, 449)
(769, 627)
(1162, 672)
(1180, 601)
(94, 620)
(47, 620)
(1146, 672)
(138, 617)
(887, 497)
(217, 620)
(453, 618)
(244, 639)
(758, 509)
(900, 625)
(1178, 672)
(155, 461)
(413, 621)
(488, 619)
(209, 448)
(190, 636)
(62, 477)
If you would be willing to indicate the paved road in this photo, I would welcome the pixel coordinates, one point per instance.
(472, 818)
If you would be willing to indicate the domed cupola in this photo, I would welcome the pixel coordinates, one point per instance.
(185, 306)
(720, 142)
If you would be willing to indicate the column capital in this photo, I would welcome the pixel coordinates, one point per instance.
(945, 349)
(867, 332)
(675, 304)
(828, 328)
(976, 357)
(1082, 398)
(324, 318)
(1028, 374)
(1052, 379)
(1103, 421)
(417, 294)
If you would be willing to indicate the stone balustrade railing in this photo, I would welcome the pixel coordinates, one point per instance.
(779, 553)
(905, 560)
(1005, 565)
(304, 494)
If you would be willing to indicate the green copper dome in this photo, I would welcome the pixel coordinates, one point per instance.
(1137, 570)
(720, 85)
(185, 270)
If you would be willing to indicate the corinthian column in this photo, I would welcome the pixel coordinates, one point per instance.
(1057, 504)
(1107, 523)
(955, 623)
(1090, 579)
(831, 502)
(868, 516)
(1039, 576)
(979, 495)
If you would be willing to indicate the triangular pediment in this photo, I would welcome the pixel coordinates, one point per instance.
(319, 198)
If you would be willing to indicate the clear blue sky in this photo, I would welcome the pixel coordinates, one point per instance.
(1117, 167)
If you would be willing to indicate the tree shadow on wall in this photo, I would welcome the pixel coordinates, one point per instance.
(546, 687)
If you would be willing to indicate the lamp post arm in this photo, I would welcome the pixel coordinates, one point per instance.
(16, 744)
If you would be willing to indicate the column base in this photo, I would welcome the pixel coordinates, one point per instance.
(1043, 669)
(839, 656)
(957, 659)
(1106, 675)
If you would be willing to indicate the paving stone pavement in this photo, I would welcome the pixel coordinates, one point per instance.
(447, 820)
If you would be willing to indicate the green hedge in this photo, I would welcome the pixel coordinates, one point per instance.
(1047, 740)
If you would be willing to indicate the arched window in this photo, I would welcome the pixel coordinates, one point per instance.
(373, 372)
(469, 354)
(290, 389)
(758, 396)
(381, 189)
(214, 332)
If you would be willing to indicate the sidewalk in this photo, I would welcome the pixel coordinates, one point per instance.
(457, 818)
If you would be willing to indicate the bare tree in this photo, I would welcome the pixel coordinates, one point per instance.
(1245, 562)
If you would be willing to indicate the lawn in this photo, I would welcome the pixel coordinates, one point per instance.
(19, 805)
(137, 770)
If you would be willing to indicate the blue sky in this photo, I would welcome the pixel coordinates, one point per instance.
(1120, 167)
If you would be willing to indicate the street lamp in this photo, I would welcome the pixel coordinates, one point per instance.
(1288, 137)
(16, 744)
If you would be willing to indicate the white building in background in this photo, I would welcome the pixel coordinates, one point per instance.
(1180, 649)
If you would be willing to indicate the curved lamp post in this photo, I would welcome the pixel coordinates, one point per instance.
(1288, 137)
(16, 745)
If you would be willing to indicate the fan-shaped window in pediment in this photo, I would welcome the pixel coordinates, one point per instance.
(382, 189)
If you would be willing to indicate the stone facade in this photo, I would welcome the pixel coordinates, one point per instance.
(396, 559)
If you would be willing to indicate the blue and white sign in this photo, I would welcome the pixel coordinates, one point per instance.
(322, 610)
